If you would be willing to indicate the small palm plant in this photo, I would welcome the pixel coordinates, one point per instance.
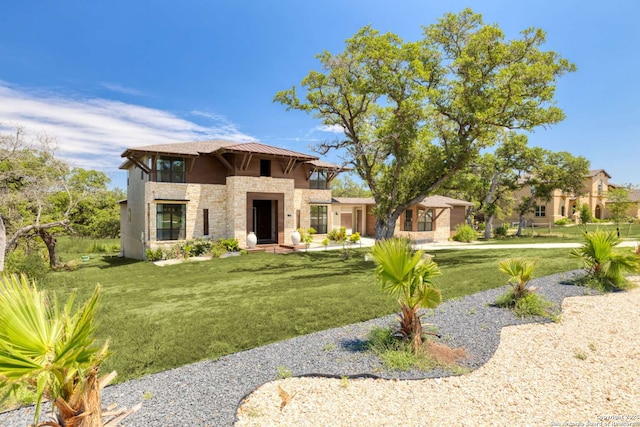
(603, 262)
(521, 298)
(520, 272)
(50, 350)
(407, 275)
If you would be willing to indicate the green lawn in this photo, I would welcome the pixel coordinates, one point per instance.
(561, 234)
(159, 318)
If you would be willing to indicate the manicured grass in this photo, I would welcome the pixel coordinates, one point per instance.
(560, 234)
(159, 318)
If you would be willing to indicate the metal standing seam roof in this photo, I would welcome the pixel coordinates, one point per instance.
(257, 148)
(182, 148)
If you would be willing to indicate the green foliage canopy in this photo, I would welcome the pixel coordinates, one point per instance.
(416, 113)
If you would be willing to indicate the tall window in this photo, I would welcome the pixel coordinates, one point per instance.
(425, 220)
(541, 210)
(319, 219)
(170, 221)
(265, 167)
(170, 169)
(205, 222)
(599, 187)
(408, 220)
(319, 180)
(562, 211)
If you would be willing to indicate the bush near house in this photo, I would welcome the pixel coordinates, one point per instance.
(465, 233)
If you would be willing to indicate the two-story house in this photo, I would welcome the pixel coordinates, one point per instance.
(564, 205)
(224, 189)
(221, 189)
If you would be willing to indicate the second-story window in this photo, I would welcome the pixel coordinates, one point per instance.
(265, 167)
(318, 180)
(170, 169)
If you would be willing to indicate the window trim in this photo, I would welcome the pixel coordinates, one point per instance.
(422, 219)
(174, 176)
(315, 221)
(319, 180)
(179, 233)
(540, 211)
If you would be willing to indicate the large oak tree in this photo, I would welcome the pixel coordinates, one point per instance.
(416, 113)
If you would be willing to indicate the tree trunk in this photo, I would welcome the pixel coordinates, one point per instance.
(3, 243)
(521, 222)
(85, 409)
(50, 242)
(385, 226)
(488, 227)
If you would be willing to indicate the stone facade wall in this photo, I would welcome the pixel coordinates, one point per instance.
(441, 228)
(199, 197)
(236, 192)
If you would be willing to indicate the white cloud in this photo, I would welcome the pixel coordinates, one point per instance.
(93, 132)
(115, 87)
(329, 128)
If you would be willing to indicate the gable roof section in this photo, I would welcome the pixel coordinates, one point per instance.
(218, 147)
(594, 172)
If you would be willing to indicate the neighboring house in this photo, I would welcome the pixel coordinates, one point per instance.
(434, 218)
(221, 189)
(565, 205)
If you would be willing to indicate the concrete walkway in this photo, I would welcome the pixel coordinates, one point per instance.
(434, 246)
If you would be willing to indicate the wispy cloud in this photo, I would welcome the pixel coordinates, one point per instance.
(329, 129)
(94, 132)
(115, 87)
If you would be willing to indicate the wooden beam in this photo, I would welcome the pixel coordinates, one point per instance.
(224, 161)
(193, 162)
(290, 165)
(138, 163)
(246, 160)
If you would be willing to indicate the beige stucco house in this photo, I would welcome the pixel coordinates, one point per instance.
(223, 189)
(565, 205)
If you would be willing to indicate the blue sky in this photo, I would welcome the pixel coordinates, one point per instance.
(101, 76)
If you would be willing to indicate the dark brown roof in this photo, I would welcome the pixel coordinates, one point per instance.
(208, 147)
(257, 148)
(328, 165)
(182, 148)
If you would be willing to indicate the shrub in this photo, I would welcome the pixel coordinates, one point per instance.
(200, 247)
(501, 231)
(31, 264)
(338, 235)
(604, 263)
(154, 254)
(325, 242)
(231, 244)
(217, 249)
(585, 214)
(531, 304)
(355, 237)
(563, 221)
(465, 233)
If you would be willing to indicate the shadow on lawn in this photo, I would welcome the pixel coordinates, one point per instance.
(114, 261)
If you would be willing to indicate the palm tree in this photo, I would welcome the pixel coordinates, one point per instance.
(50, 350)
(407, 275)
(603, 262)
(520, 272)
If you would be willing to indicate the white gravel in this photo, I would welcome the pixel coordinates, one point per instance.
(582, 371)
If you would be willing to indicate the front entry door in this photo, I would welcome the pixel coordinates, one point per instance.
(264, 216)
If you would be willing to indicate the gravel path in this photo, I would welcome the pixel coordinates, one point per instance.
(208, 393)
